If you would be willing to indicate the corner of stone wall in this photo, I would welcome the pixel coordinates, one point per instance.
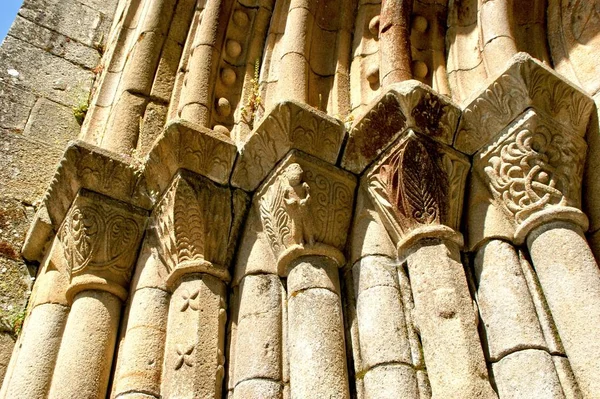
(48, 62)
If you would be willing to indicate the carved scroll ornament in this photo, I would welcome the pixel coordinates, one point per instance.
(534, 169)
(100, 239)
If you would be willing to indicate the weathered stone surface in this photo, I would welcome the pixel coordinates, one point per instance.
(55, 43)
(69, 18)
(51, 123)
(19, 176)
(16, 105)
(7, 344)
(42, 73)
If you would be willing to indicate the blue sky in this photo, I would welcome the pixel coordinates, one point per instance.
(8, 12)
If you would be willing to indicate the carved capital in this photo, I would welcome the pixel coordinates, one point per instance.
(195, 226)
(305, 207)
(403, 106)
(289, 125)
(533, 173)
(417, 187)
(525, 83)
(100, 238)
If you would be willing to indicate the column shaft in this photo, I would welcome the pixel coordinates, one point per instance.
(316, 330)
(570, 278)
(515, 342)
(445, 316)
(86, 351)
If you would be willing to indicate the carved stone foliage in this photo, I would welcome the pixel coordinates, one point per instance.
(305, 207)
(100, 238)
(533, 166)
(288, 125)
(407, 105)
(88, 167)
(195, 224)
(524, 84)
(417, 183)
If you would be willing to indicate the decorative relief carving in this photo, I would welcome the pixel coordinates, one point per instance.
(288, 125)
(305, 206)
(184, 356)
(192, 221)
(190, 301)
(405, 105)
(525, 83)
(418, 183)
(534, 166)
(100, 238)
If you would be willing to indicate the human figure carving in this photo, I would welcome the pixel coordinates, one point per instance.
(297, 198)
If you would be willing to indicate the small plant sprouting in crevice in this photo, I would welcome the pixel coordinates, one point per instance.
(137, 162)
(254, 102)
(12, 322)
(346, 120)
(80, 111)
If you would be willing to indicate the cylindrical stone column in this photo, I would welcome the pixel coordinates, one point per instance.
(194, 350)
(258, 346)
(394, 38)
(446, 319)
(516, 347)
(570, 278)
(139, 365)
(316, 330)
(384, 345)
(34, 359)
(86, 352)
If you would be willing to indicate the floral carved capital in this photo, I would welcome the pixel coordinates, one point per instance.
(100, 238)
(305, 208)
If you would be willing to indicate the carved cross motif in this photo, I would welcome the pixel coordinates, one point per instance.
(184, 356)
(189, 300)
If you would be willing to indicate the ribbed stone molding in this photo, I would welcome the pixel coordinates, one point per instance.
(527, 133)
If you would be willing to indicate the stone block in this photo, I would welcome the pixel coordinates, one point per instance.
(15, 105)
(42, 73)
(390, 382)
(51, 123)
(68, 17)
(26, 166)
(258, 388)
(106, 7)
(7, 344)
(55, 43)
(15, 288)
(14, 222)
(151, 127)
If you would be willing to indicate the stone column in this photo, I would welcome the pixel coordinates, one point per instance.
(193, 229)
(257, 370)
(100, 238)
(516, 345)
(305, 208)
(35, 353)
(316, 329)
(139, 364)
(417, 188)
(394, 36)
(570, 278)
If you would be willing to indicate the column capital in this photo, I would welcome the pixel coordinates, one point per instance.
(305, 207)
(417, 186)
(100, 237)
(195, 225)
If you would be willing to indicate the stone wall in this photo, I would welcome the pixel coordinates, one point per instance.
(48, 63)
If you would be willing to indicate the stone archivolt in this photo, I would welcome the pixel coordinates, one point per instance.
(266, 244)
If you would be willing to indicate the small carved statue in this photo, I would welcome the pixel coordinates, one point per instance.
(297, 197)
